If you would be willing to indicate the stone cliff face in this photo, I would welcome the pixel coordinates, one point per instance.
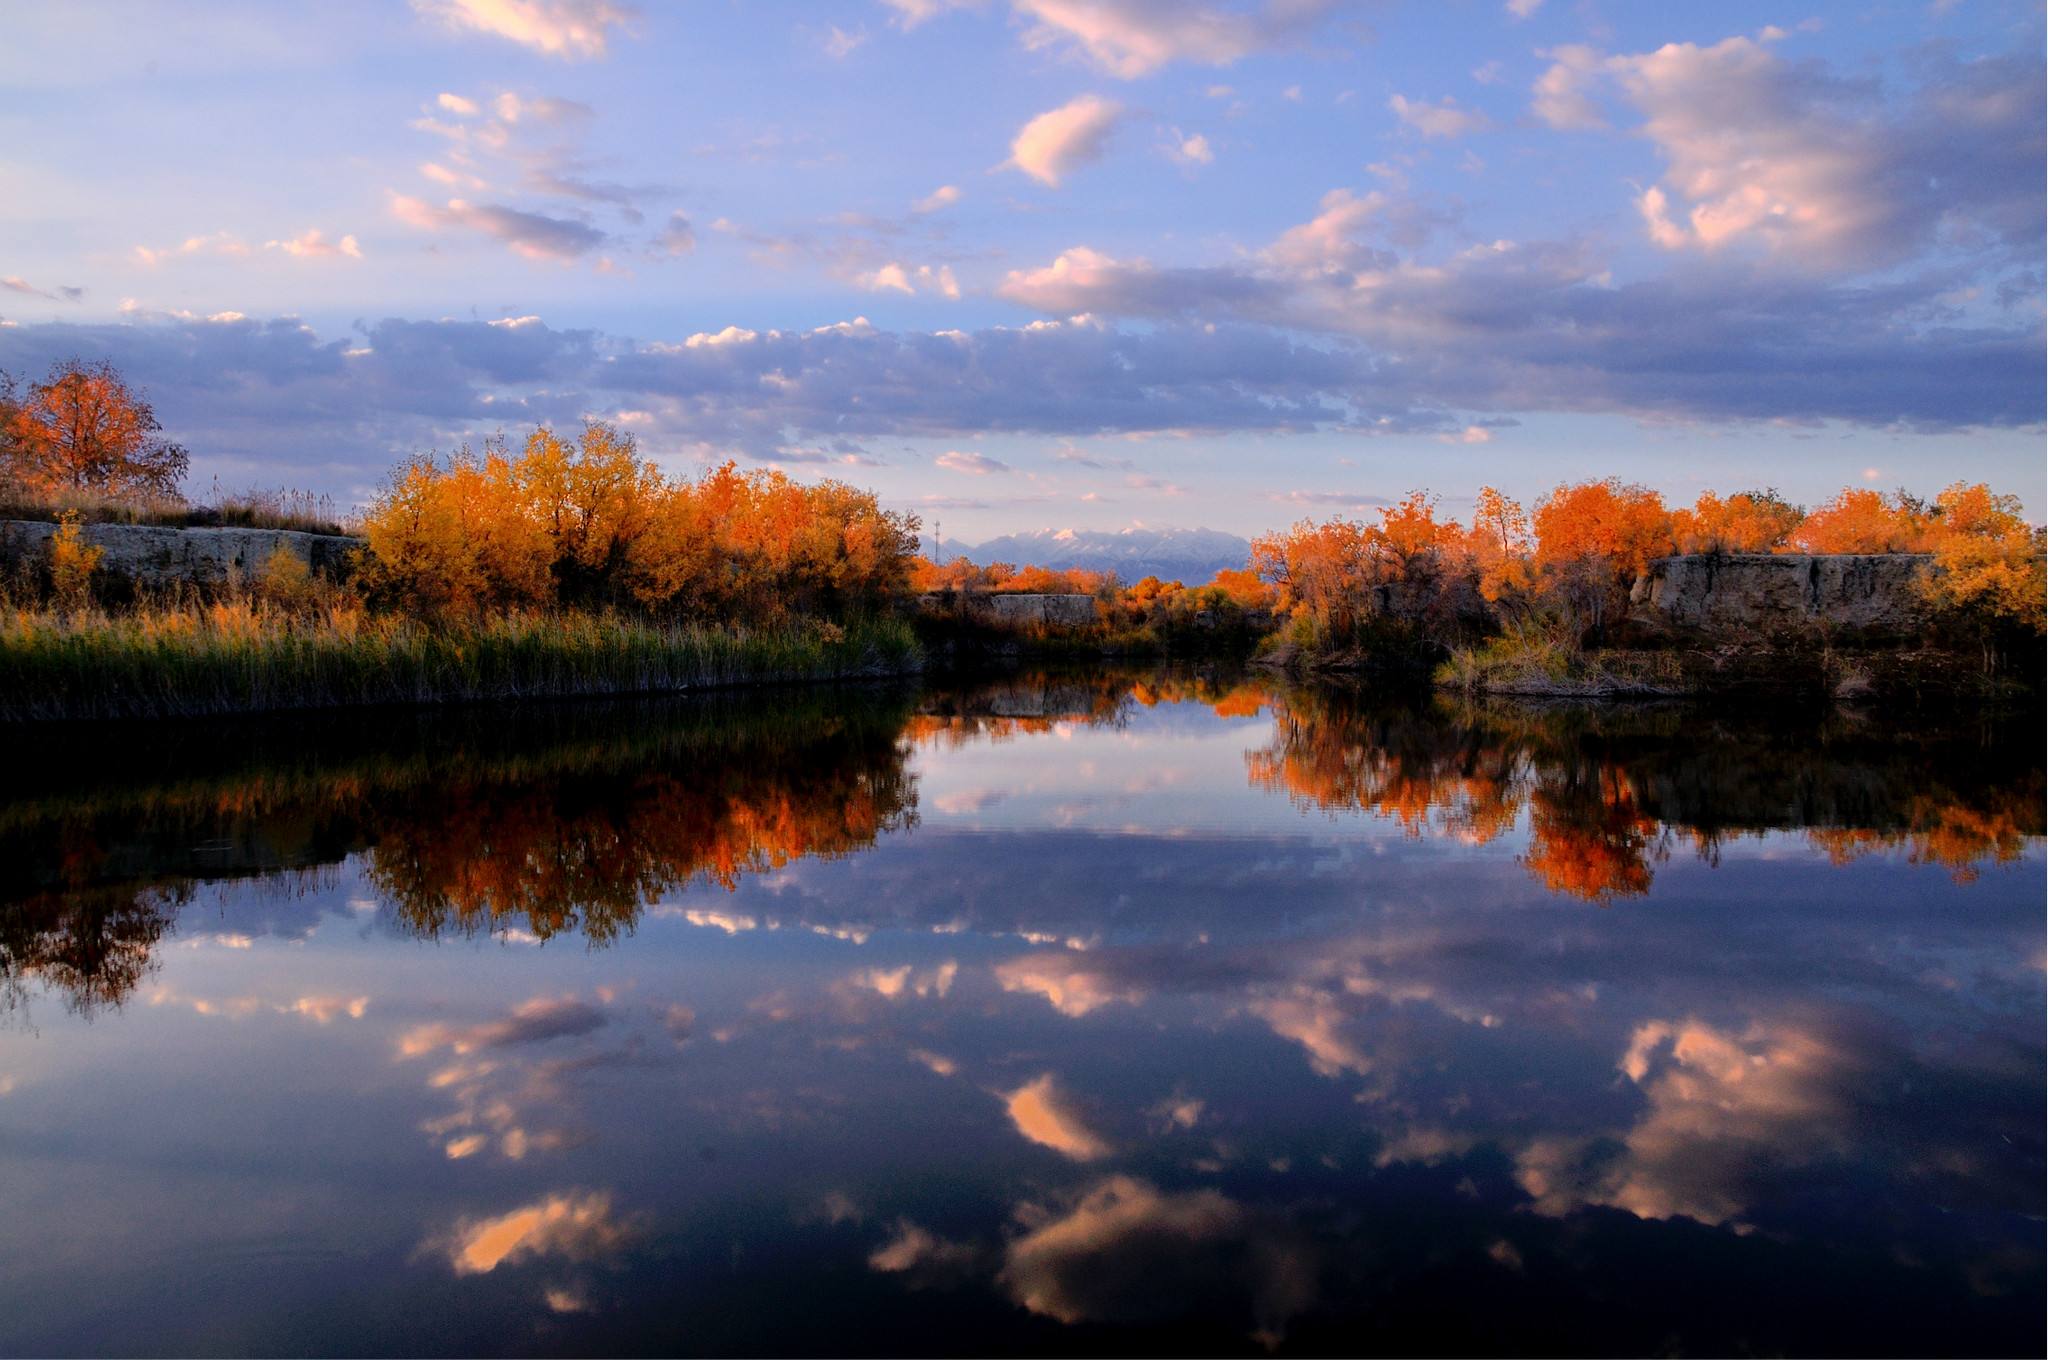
(1763, 593)
(1019, 611)
(153, 555)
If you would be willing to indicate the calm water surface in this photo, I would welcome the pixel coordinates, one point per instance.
(1091, 1014)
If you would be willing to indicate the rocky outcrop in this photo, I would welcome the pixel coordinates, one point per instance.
(1016, 611)
(155, 555)
(1753, 595)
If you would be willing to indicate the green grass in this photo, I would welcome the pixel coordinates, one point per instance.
(1531, 661)
(237, 657)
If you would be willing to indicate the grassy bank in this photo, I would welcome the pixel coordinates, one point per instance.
(1534, 664)
(249, 657)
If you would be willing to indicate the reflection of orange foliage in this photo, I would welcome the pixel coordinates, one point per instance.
(588, 853)
(1589, 839)
(1246, 701)
(1957, 837)
(1409, 768)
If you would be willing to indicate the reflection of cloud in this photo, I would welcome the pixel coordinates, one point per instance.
(922, 1254)
(531, 1022)
(937, 1062)
(1045, 1115)
(572, 1226)
(1126, 1252)
(967, 800)
(1312, 1019)
(726, 921)
(1723, 1109)
(905, 981)
(324, 1009)
(1070, 983)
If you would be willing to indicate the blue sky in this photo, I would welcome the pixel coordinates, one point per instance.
(1052, 263)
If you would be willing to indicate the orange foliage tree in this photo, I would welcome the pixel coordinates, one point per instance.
(1746, 522)
(1592, 541)
(1863, 521)
(1342, 573)
(1989, 571)
(83, 427)
(587, 522)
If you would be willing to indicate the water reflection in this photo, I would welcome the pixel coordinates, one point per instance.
(1063, 1014)
(576, 819)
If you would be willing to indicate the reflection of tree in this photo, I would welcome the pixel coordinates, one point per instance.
(1588, 838)
(558, 819)
(588, 848)
(1608, 791)
(1959, 838)
(1034, 702)
(93, 945)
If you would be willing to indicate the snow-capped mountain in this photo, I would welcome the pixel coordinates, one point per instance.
(1189, 555)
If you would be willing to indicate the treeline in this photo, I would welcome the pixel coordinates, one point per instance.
(1566, 569)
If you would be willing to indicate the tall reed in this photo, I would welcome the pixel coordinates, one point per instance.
(253, 656)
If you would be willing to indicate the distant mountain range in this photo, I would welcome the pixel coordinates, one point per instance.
(1188, 555)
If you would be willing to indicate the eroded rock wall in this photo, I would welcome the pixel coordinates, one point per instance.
(1755, 594)
(1019, 611)
(153, 555)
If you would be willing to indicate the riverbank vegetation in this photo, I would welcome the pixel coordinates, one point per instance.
(568, 565)
(1539, 603)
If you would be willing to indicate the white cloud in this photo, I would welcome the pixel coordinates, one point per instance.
(945, 196)
(569, 29)
(1561, 99)
(911, 13)
(1132, 38)
(677, 238)
(1190, 149)
(1445, 119)
(898, 278)
(1522, 9)
(973, 464)
(1062, 139)
(313, 244)
(1795, 160)
(839, 44)
(533, 235)
(14, 283)
(215, 243)
(457, 105)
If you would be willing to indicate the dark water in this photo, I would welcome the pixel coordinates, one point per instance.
(1093, 1015)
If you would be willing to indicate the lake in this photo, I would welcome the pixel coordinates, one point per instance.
(1102, 1012)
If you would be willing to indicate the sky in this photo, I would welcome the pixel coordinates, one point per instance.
(1022, 264)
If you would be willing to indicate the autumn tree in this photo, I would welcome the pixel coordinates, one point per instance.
(1592, 541)
(1746, 522)
(1861, 520)
(1989, 574)
(84, 427)
(1500, 547)
(587, 522)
